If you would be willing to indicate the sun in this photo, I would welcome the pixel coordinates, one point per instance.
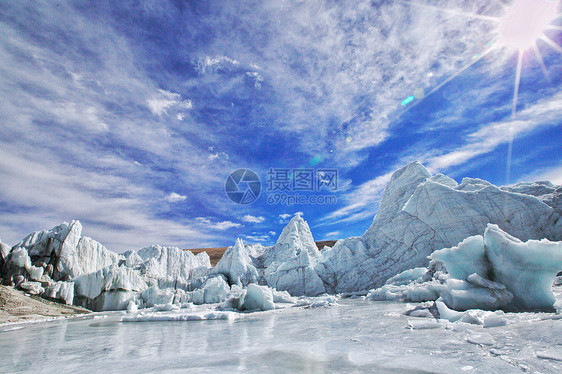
(525, 22)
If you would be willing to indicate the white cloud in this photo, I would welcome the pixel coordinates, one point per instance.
(253, 219)
(357, 62)
(361, 203)
(212, 64)
(552, 174)
(225, 225)
(218, 155)
(221, 225)
(175, 197)
(332, 235)
(257, 238)
(74, 144)
(258, 78)
(272, 233)
(164, 101)
(112, 210)
(546, 112)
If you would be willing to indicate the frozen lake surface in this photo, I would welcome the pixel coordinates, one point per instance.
(355, 336)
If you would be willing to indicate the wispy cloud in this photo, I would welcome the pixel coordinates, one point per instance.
(253, 219)
(360, 203)
(257, 238)
(220, 226)
(332, 235)
(112, 209)
(175, 197)
(551, 174)
(109, 111)
(165, 101)
(351, 65)
(84, 136)
(546, 112)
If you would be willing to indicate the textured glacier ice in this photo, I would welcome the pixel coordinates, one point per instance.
(407, 277)
(463, 295)
(155, 296)
(465, 259)
(545, 191)
(257, 298)
(289, 264)
(111, 278)
(527, 269)
(286, 266)
(63, 291)
(4, 249)
(170, 265)
(419, 214)
(496, 271)
(237, 265)
(67, 251)
(215, 290)
(295, 238)
(296, 276)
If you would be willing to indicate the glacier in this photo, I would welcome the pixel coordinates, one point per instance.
(420, 214)
(425, 245)
(489, 272)
(237, 265)
(286, 266)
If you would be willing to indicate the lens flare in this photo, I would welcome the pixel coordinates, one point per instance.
(525, 22)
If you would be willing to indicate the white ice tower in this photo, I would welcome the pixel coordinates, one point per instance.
(290, 262)
(286, 266)
(237, 265)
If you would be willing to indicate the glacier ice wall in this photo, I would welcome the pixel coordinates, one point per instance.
(419, 214)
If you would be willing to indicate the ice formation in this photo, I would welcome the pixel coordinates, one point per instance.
(545, 191)
(527, 269)
(295, 238)
(237, 265)
(419, 214)
(475, 293)
(171, 265)
(60, 264)
(490, 272)
(257, 298)
(215, 290)
(168, 266)
(66, 251)
(4, 250)
(286, 266)
(110, 288)
(289, 264)
(61, 291)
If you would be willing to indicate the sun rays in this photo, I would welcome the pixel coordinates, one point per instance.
(520, 29)
(525, 22)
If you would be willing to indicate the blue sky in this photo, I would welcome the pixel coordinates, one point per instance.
(130, 115)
